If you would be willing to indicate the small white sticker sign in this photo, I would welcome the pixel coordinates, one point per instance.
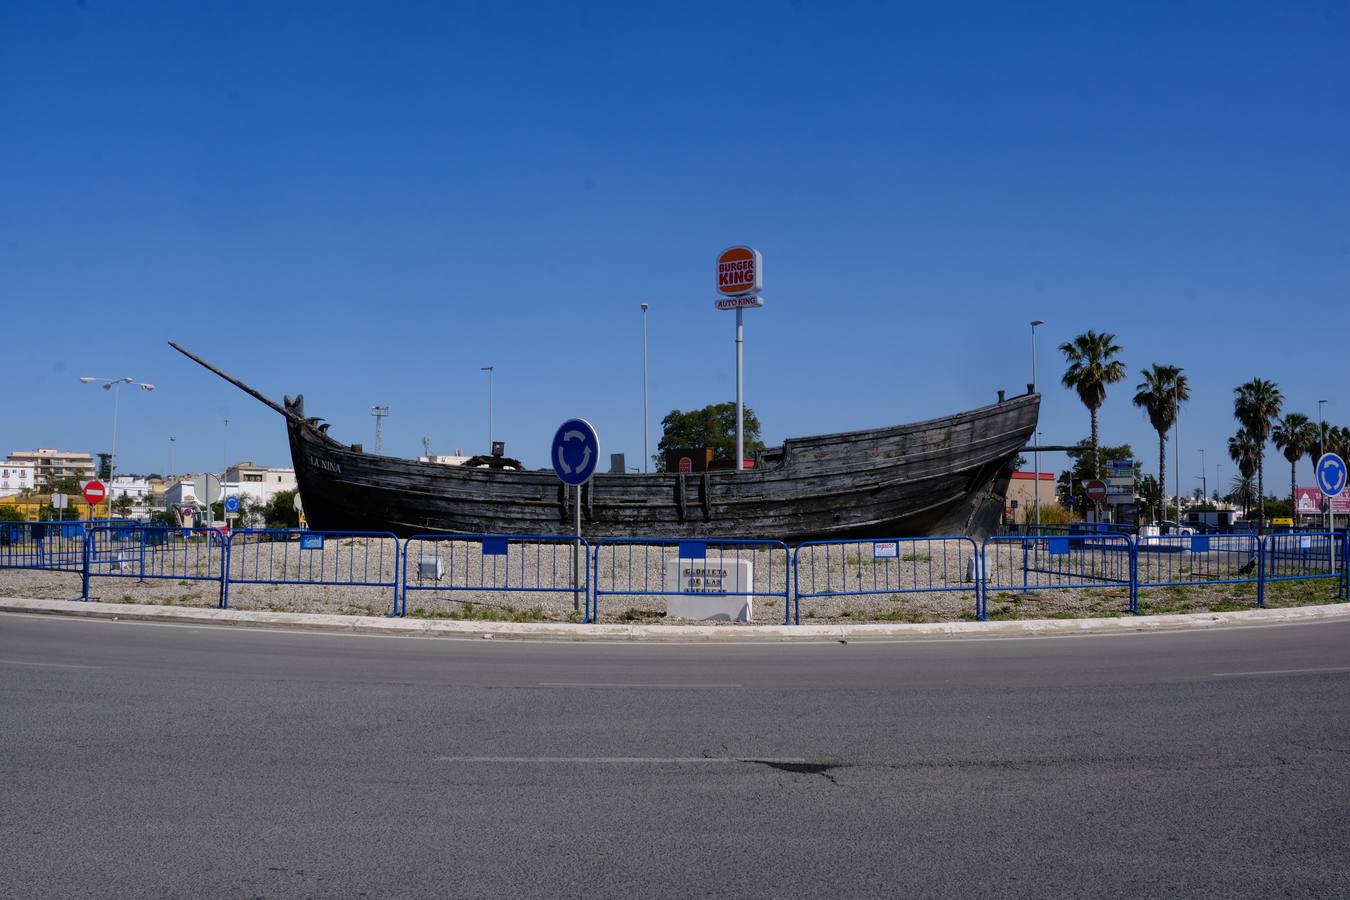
(1305, 543)
(886, 550)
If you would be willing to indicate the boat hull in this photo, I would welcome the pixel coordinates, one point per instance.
(945, 476)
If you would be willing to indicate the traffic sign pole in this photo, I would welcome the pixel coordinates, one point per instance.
(568, 436)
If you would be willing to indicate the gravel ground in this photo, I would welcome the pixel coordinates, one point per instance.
(922, 581)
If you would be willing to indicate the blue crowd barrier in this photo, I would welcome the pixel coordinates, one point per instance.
(48, 546)
(294, 556)
(640, 570)
(154, 552)
(884, 568)
(1305, 556)
(508, 564)
(1057, 562)
(1181, 560)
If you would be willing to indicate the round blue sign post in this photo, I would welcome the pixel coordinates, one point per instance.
(232, 504)
(575, 456)
(1331, 478)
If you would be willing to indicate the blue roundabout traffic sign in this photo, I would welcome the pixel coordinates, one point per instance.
(1331, 475)
(232, 504)
(576, 451)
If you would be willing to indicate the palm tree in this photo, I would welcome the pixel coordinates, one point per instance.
(1091, 369)
(1160, 396)
(1255, 405)
(1295, 436)
(1243, 450)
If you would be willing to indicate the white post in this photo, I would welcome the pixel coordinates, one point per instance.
(646, 454)
(1176, 452)
(112, 457)
(740, 389)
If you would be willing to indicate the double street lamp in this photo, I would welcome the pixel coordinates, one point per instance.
(111, 384)
(1036, 482)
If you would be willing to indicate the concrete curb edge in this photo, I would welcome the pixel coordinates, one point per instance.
(563, 631)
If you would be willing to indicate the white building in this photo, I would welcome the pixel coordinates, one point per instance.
(259, 482)
(54, 464)
(16, 477)
(138, 489)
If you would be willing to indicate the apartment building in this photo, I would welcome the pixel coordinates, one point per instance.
(17, 477)
(50, 465)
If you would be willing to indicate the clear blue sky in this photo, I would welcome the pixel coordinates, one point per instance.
(367, 202)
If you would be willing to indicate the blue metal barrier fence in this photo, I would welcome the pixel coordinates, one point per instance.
(1187, 560)
(294, 556)
(885, 568)
(1066, 561)
(50, 546)
(510, 564)
(154, 552)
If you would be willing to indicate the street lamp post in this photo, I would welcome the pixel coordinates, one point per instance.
(1204, 484)
(1321, 451)
(1036, 481)
(1176, 447)
(111, 384)
(489, 370)
(646, 455)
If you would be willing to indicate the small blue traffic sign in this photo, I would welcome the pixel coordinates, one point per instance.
(576, 451)
(1331, 474)
(232, 504)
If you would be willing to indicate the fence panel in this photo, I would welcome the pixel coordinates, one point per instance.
(888, 569)
(148, 552)
(50, 546)
(293, 556)
(1018, 565)
(482, 570)
(1305, 556)
(1199, 560)
(653, 570)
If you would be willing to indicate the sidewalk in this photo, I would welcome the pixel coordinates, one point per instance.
(560, 631)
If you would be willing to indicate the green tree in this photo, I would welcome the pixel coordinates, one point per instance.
(66, 485)
(1256, 405)
(1244, 451)
(1091, 369)
(10, 514)
(279, 512)
(1295, 437)
(1163, 390)
(712, 426)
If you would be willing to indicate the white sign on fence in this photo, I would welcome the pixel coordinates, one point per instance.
(891, 549)
(709, 588)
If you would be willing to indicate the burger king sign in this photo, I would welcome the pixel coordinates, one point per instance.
(740, 278)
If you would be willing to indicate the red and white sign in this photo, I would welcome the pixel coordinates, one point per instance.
(94, 493)
(740, 273)
(1096, 490)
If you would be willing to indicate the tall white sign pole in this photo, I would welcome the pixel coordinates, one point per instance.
(740, 389)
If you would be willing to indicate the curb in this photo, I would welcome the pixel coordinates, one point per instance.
(565, 631)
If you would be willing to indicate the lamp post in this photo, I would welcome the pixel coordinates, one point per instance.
(1036, 490)
(1176, 447)
(489, 370)
(646, 455)
(1321, 451)
(1204, 484)
(111, 384)
(172, 443)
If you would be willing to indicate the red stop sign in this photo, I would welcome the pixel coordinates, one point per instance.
(1096, 490)
(94, 492)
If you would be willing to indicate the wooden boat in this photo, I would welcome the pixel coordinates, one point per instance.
(946, 476)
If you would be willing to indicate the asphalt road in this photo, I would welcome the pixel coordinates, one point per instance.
(173, 761)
